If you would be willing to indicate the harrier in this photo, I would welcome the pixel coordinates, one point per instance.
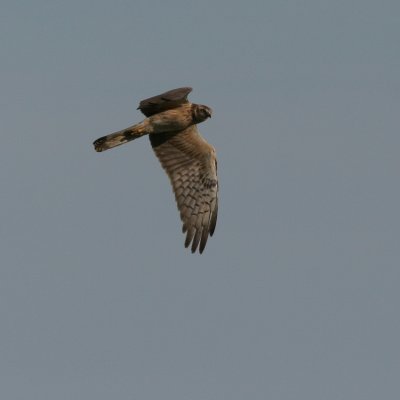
(189, 161)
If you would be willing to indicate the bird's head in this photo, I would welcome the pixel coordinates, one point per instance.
(201, 113)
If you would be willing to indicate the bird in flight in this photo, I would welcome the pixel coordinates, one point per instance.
(189, 161)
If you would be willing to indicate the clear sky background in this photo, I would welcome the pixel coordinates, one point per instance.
(296, 296)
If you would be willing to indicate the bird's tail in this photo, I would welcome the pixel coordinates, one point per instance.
(120, 137)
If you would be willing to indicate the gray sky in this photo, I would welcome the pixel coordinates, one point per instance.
(296, 295)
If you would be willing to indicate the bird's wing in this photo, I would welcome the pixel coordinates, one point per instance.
(165, 101)
(191, 165)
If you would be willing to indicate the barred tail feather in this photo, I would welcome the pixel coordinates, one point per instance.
(120, 137)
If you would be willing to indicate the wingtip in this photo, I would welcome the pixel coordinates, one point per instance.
(98, 144)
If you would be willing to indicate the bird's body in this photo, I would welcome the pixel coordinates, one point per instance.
(188, 159)
(173, 120)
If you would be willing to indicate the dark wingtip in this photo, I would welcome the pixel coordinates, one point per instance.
(164, 101)
(98, 144)
(196, 240)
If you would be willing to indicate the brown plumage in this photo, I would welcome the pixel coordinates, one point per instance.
(187, 158)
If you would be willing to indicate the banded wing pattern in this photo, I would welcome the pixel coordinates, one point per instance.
(191, 165)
